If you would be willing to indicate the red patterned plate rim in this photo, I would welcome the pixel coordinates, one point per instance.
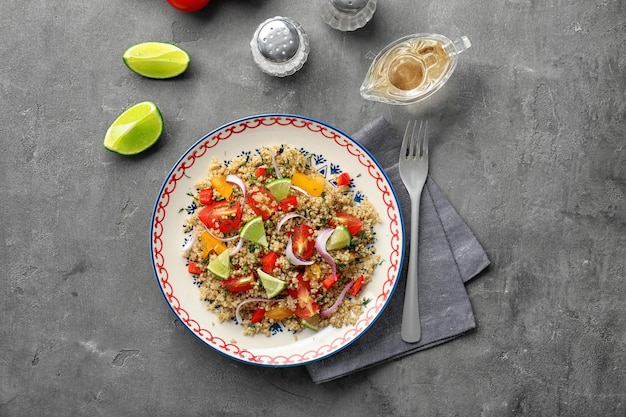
(166, 237)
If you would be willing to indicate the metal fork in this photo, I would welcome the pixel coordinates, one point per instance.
(413, 167)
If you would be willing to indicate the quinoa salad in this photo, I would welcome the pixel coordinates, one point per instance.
(274, 241)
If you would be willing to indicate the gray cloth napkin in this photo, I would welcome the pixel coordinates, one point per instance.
(449, 256)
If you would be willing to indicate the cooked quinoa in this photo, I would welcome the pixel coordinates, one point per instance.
(355, 262)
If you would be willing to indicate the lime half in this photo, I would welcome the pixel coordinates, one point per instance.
(135, 130)
(279, 188)
(156, 59)
(340, 238)
(272, 285)
(254, 231)
(220, 266)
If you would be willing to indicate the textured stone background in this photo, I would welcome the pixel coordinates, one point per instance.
(527, 142)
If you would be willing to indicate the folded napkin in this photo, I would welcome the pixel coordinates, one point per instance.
(449, 256)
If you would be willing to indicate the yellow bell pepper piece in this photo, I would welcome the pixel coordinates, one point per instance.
(311, 184)
(224, 188)
(210, 244)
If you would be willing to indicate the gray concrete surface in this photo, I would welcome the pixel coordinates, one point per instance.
(528, 146)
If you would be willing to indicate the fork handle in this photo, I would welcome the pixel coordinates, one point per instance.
(411, 331)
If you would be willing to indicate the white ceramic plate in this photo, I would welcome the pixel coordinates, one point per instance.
(333, 151)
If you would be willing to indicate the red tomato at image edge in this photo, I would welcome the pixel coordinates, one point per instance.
(188, 5)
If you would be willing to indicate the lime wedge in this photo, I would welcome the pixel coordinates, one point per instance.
(220, 266)
(273, 286)
(156, 59)
(135, 130)
(254, 231)
(340, 238)
(312, 322)
(279, 188)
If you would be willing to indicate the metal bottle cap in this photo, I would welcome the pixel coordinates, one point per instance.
(278, 40)
(349, 6)
(280, 46)
(347, 15)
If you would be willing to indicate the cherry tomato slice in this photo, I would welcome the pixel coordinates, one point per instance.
(239, 284)
(262, 202)
(302, 241)
(353, 223)
(223, 215)
(188, 5)
(278, 313)
(306, 306)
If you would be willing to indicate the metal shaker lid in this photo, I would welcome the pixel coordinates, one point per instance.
(278, 40)
(349, 6)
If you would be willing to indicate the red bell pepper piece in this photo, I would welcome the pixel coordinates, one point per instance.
(288, 203)
(258, 315)
(194, 268)
(356, 287)
(268, 262)
(330, 281)
(343, 179)
(205, 196)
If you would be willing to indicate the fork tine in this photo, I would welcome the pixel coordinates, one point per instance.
(404, 148)
(423, 138)
(414, 145)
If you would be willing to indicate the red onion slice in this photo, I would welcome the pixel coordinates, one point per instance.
(320, 245)
(295, 187)
(287, 217)
(187, 245)
(276, 170)
(237, 248)
(335, 306)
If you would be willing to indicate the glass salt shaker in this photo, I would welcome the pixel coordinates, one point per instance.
(348, 15)
(280, 46)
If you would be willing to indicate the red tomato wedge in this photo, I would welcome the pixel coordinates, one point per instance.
(302, 242)
(262, 202)
(188, 5)
(353, 223)
(223, 215)
(306, 306)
